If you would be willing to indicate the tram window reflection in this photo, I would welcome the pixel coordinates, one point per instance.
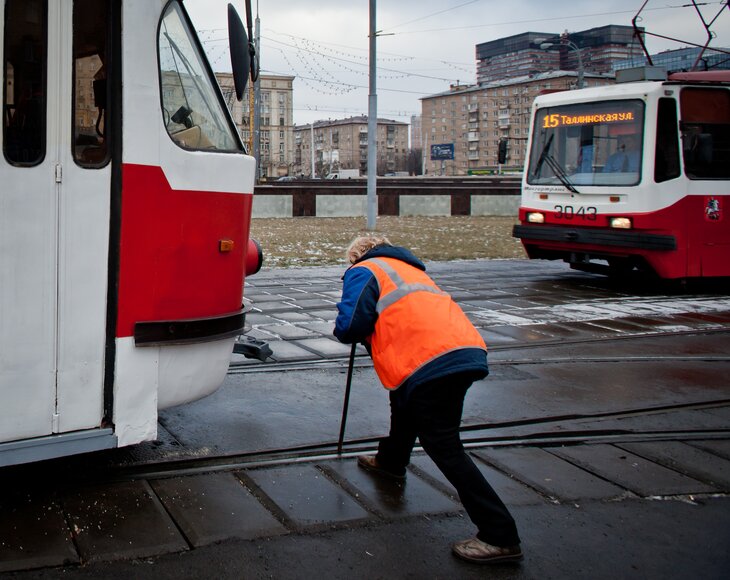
(193, 112)
(24, 97)
(706, 132)
(90, 111)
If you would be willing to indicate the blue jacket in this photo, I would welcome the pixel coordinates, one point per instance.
(357, 315)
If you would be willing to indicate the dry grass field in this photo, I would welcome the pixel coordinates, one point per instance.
(316, 241)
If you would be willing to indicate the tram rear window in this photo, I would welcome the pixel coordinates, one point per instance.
(24, 97)
(596, 143)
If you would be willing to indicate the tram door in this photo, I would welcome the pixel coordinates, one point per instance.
(54, 216)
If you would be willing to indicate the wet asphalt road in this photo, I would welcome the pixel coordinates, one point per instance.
(603, 425)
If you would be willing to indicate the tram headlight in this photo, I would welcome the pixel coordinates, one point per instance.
(621, 223)
(535, 217)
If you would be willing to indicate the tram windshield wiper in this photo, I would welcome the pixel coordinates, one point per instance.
(543, 155)
(557, 169)
(560, 173)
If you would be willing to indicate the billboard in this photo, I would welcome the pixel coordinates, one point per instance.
(442, 151)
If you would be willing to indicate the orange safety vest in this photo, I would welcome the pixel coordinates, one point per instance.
(417, 322)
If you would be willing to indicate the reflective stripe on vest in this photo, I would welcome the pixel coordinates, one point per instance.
(417, 321)
(401, 287)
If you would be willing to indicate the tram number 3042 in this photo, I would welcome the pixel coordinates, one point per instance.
(568, 212)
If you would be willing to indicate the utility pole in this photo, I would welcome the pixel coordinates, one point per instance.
(372, 199)
(311, 149)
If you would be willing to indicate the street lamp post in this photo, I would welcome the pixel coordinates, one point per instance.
(572, 45)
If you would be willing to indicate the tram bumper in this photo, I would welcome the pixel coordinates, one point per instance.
(590, 237)
(601, 251)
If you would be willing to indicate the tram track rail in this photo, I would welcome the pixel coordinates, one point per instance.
(474, 436)
(363, 361)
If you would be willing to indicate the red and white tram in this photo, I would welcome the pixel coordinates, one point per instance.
(632, 176)
(125, 204)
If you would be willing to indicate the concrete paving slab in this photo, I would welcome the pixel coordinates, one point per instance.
(325, 347)
(691, 461)
(509, 490)
(484, 305)
(520, 333)
(262, 297)
(518, 302)
(303, 496)
(120, 521)
(390, 498)
(287, 331)
(565, 330)
(257, 318)
(274, 307)
(33, 532)
(297, 317)
(329, 314)
(214, 507)
(632, 472)
(718, 448)
(285, 351)
(314, 303)
(494, 338)
(322, 327)
(549, 474)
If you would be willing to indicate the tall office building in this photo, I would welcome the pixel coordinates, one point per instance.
(521, 54)
(682, 59)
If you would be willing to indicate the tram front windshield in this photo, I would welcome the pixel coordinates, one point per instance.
(597, 143)
(193, 114)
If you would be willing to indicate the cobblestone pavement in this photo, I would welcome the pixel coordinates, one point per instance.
(509, 301)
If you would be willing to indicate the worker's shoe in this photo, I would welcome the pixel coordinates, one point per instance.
(474, 550)
(370, 463)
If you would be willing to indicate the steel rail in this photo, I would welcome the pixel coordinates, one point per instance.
(363, 360)
(475, 437)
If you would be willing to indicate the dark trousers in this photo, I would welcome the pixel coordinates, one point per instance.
(432, 413)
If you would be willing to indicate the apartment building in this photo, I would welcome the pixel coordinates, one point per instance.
(475, 118)
(343, 144)
(416, 137)
(276, 121)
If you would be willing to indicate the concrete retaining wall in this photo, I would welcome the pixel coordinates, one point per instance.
(404, 197)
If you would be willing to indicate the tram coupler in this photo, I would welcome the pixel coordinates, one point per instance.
(252, 348)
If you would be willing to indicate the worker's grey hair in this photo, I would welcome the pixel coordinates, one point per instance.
(361, 245)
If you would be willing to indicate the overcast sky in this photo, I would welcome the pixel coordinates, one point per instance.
(423, 46)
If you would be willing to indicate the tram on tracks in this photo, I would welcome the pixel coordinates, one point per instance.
(125, 206)
(632, 176)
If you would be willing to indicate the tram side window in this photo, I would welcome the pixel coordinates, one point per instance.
(24, 97)
(705, 132)
(667, 145)
(194, 115)
(90, 111)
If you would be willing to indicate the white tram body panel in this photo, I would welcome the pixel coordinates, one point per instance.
(125, 203)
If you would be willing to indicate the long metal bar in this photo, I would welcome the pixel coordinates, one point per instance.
(346, 404)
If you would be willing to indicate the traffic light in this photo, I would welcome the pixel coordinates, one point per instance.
(502, 151)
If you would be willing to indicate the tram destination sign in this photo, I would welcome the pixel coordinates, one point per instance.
(557, 120)
(442, 151)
